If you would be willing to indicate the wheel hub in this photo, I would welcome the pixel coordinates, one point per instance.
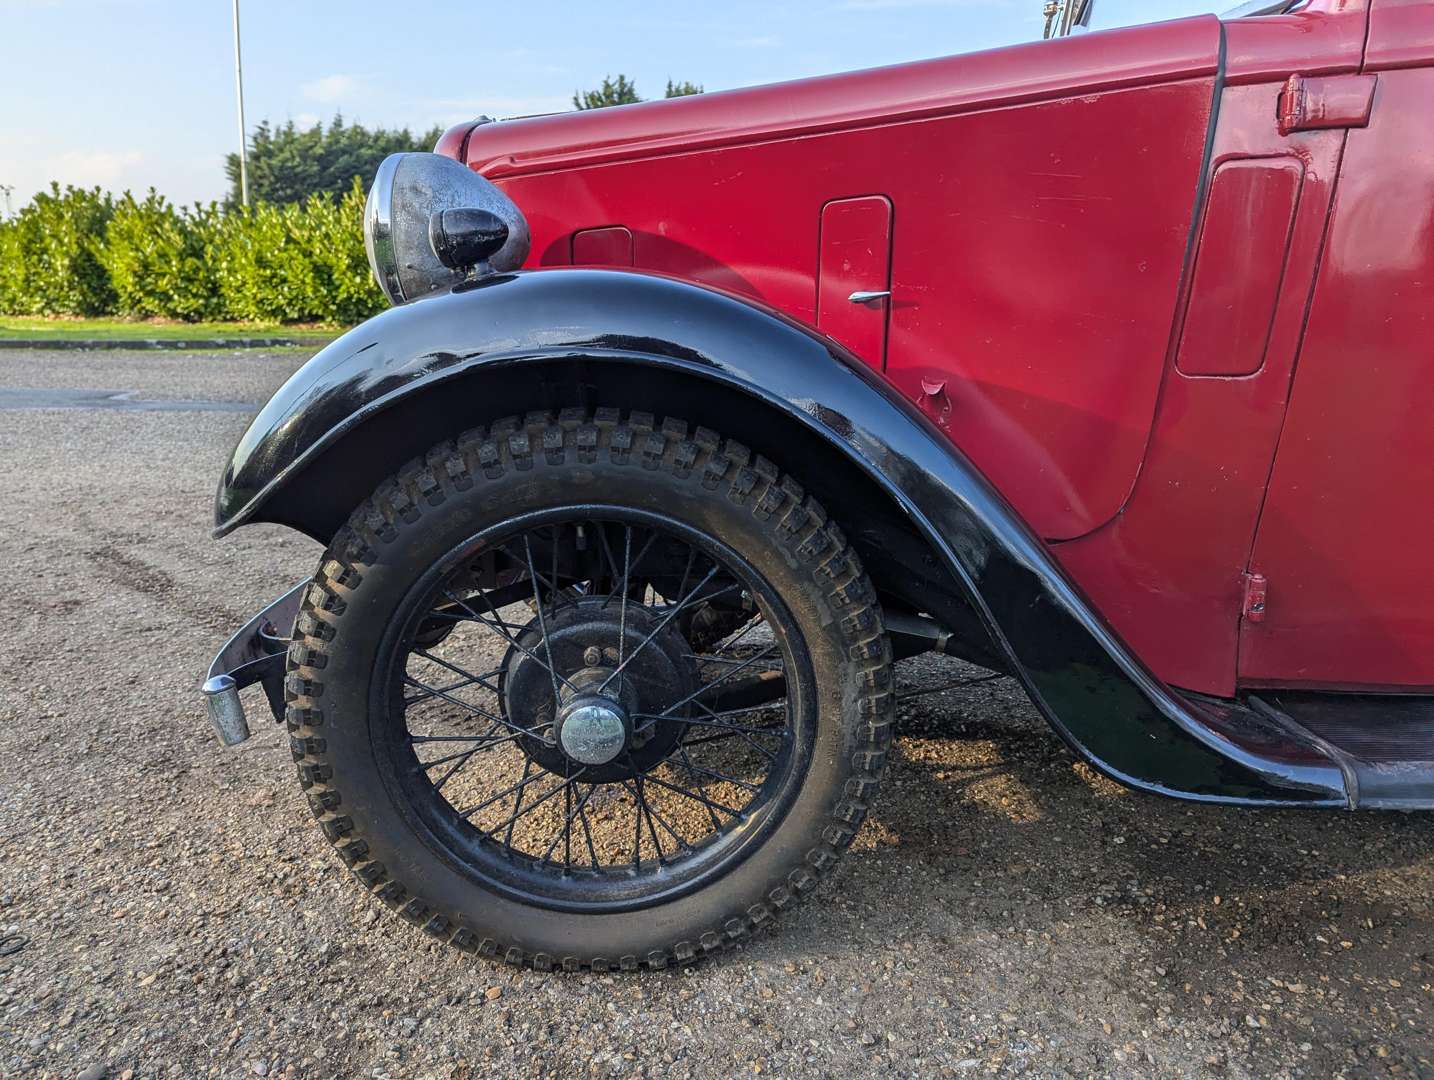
(592, 730)
(592, 725)
(601, 720)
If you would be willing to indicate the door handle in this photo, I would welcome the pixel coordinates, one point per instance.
(865, 297)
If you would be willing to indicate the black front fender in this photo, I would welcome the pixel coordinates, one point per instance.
(1094, 692)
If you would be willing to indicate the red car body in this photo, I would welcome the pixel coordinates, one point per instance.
(1168, 287)
(1101, 363)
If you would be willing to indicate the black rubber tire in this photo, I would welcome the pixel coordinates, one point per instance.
(542, 461)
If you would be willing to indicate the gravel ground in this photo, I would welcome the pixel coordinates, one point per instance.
(1005, 912)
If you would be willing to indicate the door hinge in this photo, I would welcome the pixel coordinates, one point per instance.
(1253, 607)
(1309, 102)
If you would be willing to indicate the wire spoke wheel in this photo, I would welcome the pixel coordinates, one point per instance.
(587, 689)
(569, 726)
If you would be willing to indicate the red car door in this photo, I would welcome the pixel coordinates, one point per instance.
(1344, 537)
(1028, 210)
(1170, 571)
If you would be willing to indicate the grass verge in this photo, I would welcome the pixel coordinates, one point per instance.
(13, 327)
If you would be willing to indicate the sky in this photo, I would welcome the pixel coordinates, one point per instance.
(133, 94)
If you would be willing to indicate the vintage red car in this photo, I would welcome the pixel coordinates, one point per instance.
(1102, 362)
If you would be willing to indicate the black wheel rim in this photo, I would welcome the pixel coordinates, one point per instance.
(594, 709)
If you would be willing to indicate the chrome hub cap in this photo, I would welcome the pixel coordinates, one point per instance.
(592, 730)
(614, 671)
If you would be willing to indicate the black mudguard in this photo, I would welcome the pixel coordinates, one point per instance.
(1095, 693)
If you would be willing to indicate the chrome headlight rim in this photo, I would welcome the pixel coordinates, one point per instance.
(407, 190)
(378, 231)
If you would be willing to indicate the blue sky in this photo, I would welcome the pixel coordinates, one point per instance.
(140, 93)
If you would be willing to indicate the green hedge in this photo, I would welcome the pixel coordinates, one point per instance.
(49, 255)
(82, 252)
(160, 260)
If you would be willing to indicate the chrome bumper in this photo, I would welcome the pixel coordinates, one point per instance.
(254, 655)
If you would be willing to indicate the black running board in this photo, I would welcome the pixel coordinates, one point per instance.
(1383, 744)
(1360, 751)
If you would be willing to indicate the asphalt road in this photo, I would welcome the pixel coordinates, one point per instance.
(1005, 912)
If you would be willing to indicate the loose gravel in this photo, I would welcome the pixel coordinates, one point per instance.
(1005, 912)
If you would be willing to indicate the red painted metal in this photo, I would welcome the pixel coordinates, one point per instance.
(1039, 71)
(454, 142)
(855, 257)
(1126, 389)
(934, 402)
(1042, 290)
(610, 246)
(1346, 525)
(1168, 572)
(1318, 39)
(1036, 277)
(1401, 34)
(1248, 216)
(1308, 103)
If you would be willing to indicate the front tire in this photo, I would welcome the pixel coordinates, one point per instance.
(605, 691)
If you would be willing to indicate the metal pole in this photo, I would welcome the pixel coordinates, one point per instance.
(239, 90)
(1063, 16)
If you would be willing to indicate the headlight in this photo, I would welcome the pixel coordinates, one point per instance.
(406, 192)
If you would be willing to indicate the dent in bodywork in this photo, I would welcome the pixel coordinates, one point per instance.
(1094, 692)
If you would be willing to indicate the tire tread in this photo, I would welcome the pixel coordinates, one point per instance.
(636, 440)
